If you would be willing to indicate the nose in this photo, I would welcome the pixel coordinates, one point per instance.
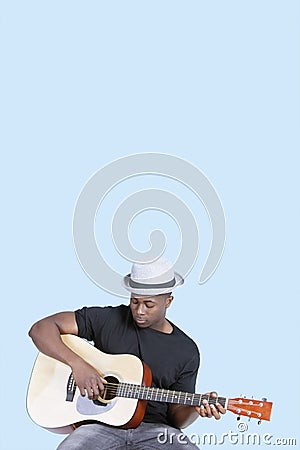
(141, 309)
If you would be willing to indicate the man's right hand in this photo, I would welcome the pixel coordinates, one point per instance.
(88, 379)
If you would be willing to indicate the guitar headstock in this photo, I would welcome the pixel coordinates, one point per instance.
(257, 409)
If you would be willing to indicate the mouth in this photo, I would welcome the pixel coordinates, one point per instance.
(140, 321)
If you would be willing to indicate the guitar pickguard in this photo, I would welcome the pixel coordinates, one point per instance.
(87, 407)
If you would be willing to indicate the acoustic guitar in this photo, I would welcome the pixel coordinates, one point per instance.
(55, 403)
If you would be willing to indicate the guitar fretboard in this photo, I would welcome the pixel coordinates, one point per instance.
(163, 395)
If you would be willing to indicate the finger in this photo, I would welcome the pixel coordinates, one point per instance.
(202, 411)
(82, 391)
(90, 392)
(207, 408)
(215, 412)
(95, 390)
(220, 408)
(98, 389)
(95, 384)
(212, 394)
(103, 380)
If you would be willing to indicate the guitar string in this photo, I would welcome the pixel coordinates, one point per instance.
(116, 386)
(113, 388)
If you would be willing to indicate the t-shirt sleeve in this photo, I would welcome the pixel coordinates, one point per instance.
(186, 381)
(89, 318)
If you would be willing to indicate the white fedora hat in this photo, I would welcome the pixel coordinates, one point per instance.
(154, 278)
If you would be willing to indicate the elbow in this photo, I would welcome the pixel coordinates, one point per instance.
(37, 329)
(33, 330)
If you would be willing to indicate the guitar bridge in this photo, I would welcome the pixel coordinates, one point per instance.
(71, 388)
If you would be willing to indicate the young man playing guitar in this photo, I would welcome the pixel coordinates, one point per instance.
(139, 329)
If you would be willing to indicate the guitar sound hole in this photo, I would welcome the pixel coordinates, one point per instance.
(111, 390)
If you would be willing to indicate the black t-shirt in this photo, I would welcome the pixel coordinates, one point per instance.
(173, 358)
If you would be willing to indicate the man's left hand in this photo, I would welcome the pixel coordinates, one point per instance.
(207, 410)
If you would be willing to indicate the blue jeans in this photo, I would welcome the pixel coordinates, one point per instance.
(145, 436)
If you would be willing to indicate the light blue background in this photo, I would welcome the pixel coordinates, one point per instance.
(217, 83)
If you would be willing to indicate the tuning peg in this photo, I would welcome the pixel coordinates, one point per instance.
(259, 422)
(238, 418)
(264, 399)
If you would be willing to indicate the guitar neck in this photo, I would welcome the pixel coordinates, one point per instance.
(163, 395)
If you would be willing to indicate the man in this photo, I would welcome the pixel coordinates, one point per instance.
(141, 329)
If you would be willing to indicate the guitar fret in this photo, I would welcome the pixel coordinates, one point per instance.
(144, 393)
(197, 400)
(162, 394)
(148, 393)
(188, 399)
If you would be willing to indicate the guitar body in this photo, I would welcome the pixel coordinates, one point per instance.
(47, 402)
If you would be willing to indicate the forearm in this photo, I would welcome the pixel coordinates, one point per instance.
(181, 416)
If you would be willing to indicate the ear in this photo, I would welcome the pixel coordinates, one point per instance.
(169, 300)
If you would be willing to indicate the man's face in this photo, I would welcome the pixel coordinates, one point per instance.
(150, 311)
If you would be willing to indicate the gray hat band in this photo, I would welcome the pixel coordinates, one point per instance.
(135, 284)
